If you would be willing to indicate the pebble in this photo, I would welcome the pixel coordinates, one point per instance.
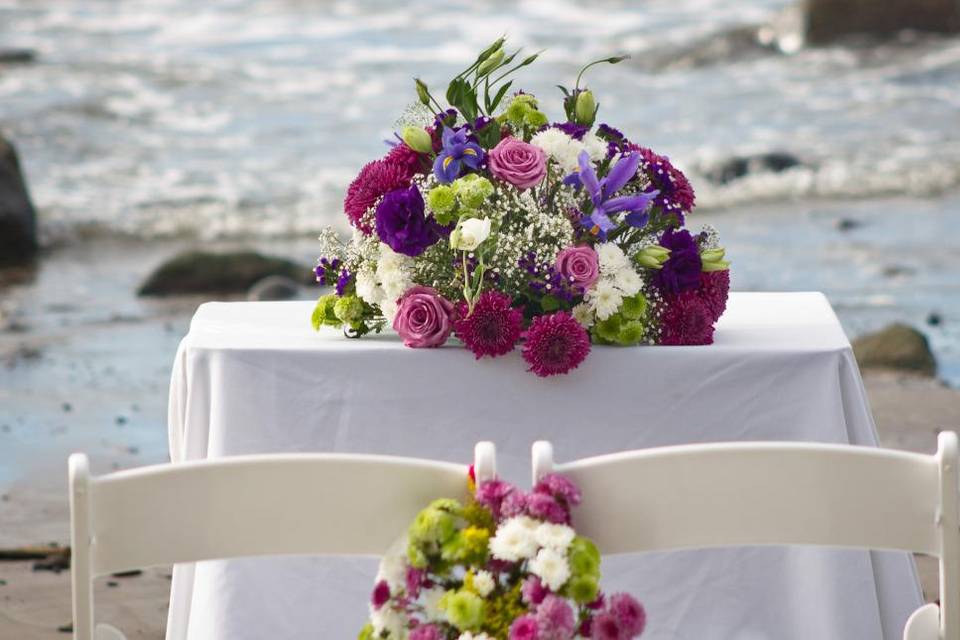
(121, 420)
(934, 319)
(67, 407)
(848, 224)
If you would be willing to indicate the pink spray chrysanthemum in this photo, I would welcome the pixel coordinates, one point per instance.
(492, 328)
(630, 614)
(544, 506)
(426, 632)
(555, 619)
(525, 628)
(533, 592)
(714, 290)
(374, 181)
(491, 494)
(380, 595)
(559, 487)
(555, 344)
(686, 320)
(515, 504)
(605, 627)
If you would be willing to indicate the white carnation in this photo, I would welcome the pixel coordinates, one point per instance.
(513, 541)
(393, 571)
(430, 599)
(552, 568)
(390, 620)
(560, 147)
(605, 299)
(628, 281)
(612, 258)
(595, 146)
(554, 536)
(484, 583)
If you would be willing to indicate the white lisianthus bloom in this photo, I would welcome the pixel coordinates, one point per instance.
(470, 233)
(628, 282)
(595, 146)
(484, 583)
(390, 620)
(430, 599)
(583, 314)
(554, 536)
(513, 541)
(612, 258)
(605, 299)
(552, 568)
(393, 571)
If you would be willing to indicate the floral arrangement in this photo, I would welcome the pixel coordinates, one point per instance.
(489, 222)
(505, 566)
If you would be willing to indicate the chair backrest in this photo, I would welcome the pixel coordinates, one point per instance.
(766, 493)
(296, 504)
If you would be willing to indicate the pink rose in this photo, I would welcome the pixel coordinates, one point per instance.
(579, 265)
(522, 165)
(423, 318)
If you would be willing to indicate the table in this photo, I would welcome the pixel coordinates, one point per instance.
(254, 378)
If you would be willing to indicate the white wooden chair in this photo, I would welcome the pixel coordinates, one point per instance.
(294, 504)
(715, 495)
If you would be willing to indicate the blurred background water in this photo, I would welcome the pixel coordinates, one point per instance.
(245, 119)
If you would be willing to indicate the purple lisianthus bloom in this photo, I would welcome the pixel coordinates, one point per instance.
(682, 269)
(402, 224)
(601, 191)
(458, 151)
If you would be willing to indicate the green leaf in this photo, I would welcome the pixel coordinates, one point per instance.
(498, 97)
(316, 318)
(549, 303)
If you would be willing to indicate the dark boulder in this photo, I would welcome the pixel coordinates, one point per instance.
(740, 166)
(195, 272)
(897, 346)
(274, 288)
(16, 56)
(18, 218)
(831, 20)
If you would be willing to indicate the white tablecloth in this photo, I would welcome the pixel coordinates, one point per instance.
(254, 377)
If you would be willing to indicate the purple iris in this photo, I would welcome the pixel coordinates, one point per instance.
(598, 222)
(457, 151)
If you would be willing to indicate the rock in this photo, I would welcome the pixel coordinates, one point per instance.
(204, 272)
(831, 20)
(847, 224)
(740, 166)
(17, 56)
(274, 288)
(934, 319)
(897, 346)
(18, 218)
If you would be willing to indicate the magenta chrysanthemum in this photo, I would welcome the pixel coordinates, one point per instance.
(676, 193)
(630, 614)
(714, 290)
(686, 320)
(374, 180)
(555, 619)
(493, 328)
(408, 159)
(555, 344)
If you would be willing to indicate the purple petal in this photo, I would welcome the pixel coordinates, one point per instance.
(637, 202)
(637, 219)
(588, 176)
(621, 174)
(448, 136)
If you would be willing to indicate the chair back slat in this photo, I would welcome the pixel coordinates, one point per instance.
(701, 496)
(296, 504)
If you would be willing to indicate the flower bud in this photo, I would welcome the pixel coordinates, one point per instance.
(491, 63)
(586, 108)
(417, 139)
(422, 92)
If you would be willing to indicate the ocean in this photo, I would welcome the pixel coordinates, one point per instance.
(243, 119)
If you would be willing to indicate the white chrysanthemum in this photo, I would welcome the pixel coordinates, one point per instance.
(466, 635)
(430, 599)
(554, 536)
(393, 570)
(513, 541)
(560, 147)
(595, 146)
(552, 568)
(612, 258)
(605, 299)
(390, 620)
(389, 308)
(583, 314)
(628, 281)
(484, 583)
(367, 287)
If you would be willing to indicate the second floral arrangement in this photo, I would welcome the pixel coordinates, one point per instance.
(489, 222)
